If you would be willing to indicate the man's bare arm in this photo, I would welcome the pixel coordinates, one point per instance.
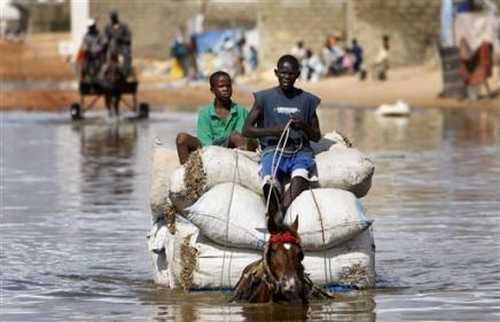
(251, 131)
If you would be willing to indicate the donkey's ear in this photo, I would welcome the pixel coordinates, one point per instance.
(295, 225)
(272, 227)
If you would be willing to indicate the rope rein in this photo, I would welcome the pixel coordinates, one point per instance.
(280, 147)
(323, 239)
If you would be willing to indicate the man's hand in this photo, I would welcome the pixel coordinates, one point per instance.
(298, 123)
(311, 130)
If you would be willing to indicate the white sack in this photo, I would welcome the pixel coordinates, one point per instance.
(351, 263)
(331, 140)
(340, 217)
(230, 215)
(226, 165)
(346, 169)
(160, 246)
(178, 190)
(163, 163)
(220, 165)
(214, 266)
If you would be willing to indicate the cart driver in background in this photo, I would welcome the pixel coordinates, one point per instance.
(119, 40)
(92, 51)
(219, 123)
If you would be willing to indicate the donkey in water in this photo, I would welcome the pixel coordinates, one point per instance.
(279, 275)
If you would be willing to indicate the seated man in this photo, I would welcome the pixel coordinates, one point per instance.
(219, 123)
(275, 110)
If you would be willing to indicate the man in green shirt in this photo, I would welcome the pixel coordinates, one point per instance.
(219, 123)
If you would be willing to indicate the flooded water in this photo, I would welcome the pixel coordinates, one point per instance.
(74, 205)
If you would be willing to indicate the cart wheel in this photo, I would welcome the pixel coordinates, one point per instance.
(143, 110)
(76, 112)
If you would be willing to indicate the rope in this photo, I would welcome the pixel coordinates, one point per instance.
(322, 231)
(228, 212)
(274, 166)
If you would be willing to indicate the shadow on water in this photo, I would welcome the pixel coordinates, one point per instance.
(75, 215)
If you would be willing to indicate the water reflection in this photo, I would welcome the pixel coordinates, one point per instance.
(213, 306)
(108, 155)
(370, 131)
(424, 128)
(472, 127)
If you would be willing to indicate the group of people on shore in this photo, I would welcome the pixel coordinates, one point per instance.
(105, 58)
(335, 60)
(233, 54)
(280, 109)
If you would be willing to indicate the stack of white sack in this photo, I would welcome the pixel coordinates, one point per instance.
(220, 224)
(188, 260)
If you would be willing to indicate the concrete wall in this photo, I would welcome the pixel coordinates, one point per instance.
(47, 17)
(413, 27)
(281, 23)
(155, 23)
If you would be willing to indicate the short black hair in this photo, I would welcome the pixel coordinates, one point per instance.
(216, 75)
(290, 59)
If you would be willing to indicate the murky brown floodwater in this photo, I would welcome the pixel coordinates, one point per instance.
(74, 202)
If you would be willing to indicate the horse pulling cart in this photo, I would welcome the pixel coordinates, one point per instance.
(94, 90)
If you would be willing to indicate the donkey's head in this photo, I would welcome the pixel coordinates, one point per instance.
(283, 262)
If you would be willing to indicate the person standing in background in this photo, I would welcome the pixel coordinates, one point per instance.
(299, 51)
(357, 52)
(119, 40)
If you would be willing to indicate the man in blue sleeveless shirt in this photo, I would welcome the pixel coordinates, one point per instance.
(273, 110)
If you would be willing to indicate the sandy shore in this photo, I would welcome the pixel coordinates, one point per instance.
(37, 60)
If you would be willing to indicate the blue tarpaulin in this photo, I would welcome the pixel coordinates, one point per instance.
(214, 39)
(464, 6)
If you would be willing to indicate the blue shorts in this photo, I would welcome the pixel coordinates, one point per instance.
(298, 164)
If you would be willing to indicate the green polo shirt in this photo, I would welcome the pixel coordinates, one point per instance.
(212, 127)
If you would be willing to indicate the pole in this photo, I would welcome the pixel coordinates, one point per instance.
(79, 18)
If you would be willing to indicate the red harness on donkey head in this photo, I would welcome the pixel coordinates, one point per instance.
(284, 237)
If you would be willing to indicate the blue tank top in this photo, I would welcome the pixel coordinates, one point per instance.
(277, 109)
